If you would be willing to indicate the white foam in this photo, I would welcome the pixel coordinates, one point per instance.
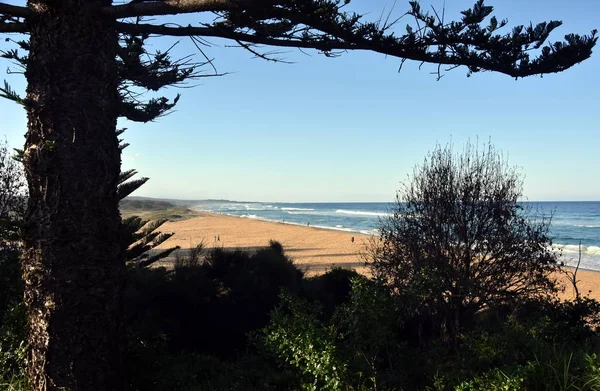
(593, 250)
(574, 248)
(296, 209)
(571, 248)
(248, 207)
(370, 232)
(334, 228)
(357, 212)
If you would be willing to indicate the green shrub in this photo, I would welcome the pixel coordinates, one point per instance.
(350, 350)
(13, 349)
(296, 336)
(13, 321)
(495, 380)
(366, 325)
(11, 284)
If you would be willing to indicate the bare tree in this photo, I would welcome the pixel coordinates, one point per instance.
(460, 239)
(86, 66)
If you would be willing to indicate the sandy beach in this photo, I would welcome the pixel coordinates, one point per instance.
(315, 249)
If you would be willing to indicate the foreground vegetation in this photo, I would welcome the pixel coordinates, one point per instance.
(462, 298)
(231, 320)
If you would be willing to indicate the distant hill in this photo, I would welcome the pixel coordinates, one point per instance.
(179, 202)
(155, 209)
(144, 204)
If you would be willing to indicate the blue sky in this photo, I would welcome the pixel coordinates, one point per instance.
(352, 128)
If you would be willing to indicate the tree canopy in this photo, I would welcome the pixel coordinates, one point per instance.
(478, 40)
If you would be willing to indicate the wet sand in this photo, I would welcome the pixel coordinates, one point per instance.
(313, 248)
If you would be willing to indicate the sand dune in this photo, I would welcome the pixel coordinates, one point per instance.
(313, 248)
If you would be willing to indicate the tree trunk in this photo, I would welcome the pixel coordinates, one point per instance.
(72, 266)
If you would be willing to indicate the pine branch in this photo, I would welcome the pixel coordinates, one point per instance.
(133, 224)
(13, 10)
(170, 7)
(13, 55)
(146, 112)
(13, 27)
(8, 93)
(152, 226)
(139, 68)
(152, 259)
(504, 54)
(162, 238)
(125, 175)
(125, 189)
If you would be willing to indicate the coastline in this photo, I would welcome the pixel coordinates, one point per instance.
(354, 231)
(316, 249)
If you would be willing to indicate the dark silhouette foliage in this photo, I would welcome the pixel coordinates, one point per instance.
(138, 236)
(13, 197)
(460, 240)
(211, 306)
(13, 194)
(330, 289)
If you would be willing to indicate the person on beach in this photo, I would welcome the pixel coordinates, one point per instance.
(352, 240)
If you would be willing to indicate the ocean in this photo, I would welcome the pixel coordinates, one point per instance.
(572, 222)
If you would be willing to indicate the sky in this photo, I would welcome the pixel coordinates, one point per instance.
(351, 129)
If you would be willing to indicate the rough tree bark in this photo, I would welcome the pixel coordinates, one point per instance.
(73, 268)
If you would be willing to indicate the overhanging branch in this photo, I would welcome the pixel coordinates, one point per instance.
(228, 34)
(13, 27)
(170, 7)
(13, 10)
(417, 51)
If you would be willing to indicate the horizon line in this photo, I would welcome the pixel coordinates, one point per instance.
(320, 202)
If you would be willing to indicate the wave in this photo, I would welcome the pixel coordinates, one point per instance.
(570, 249)
(296, 209)
(370, 232)
(361, 213)
(254, 207)
(578, 224)
(334, 228)
(306, 212)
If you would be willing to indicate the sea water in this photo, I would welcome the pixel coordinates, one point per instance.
(571, 222)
